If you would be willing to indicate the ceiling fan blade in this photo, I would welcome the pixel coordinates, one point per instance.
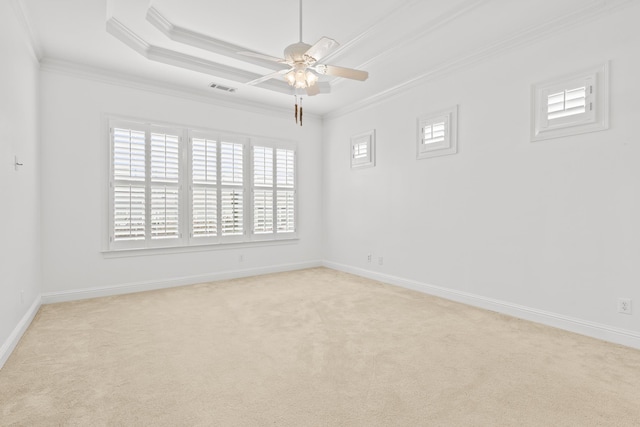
(267, 77)
(261, 56)
(320, 49)
(347, 73)
(313, 90)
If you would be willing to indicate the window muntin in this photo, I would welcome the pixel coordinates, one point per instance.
(175, 187)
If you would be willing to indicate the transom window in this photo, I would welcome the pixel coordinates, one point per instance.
(437, 133)
(178, 187)
(363, 149)
(571, 105)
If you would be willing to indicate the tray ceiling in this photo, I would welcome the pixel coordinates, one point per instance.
(192, 43)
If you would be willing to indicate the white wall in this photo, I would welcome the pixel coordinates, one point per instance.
(553, 226)
(75, 160)
(19, 190)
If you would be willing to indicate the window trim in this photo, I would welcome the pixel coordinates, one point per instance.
(596, 115)
(186, 242)
(450, 143)
(275, 145)
(368, 138)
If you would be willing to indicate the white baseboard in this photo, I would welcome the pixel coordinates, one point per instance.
(127, 288)
(580, 326)
(10, 344)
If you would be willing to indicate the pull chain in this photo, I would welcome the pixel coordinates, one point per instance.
(300, 111)
(296, 108)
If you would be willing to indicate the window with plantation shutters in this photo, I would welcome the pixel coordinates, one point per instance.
(273, 191)
(173, 187)
(437, 133)
(145, 184)
(571, 105)
(363, 150)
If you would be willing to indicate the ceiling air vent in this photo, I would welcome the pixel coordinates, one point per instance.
(222, 87)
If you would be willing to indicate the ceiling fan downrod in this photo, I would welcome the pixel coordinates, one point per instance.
(300, 21)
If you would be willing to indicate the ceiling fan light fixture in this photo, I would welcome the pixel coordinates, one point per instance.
(301, 78)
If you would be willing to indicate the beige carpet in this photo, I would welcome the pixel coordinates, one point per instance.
(308, 348)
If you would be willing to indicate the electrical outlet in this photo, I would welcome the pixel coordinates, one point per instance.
(369, 258)
(624, 305)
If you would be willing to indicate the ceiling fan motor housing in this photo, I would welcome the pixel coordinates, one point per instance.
(295, 52)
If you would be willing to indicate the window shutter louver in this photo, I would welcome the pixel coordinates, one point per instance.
(434, 133)
(232, 212)
(263, 211)
(128, 155)
(231, 161)
(360, 150)
(566, 103)
(204, 161)
(165, 204)
(284, 166)
(205, 212)
(204, 195)
(129, 212)
(285, 200)
(263, 166)
(263, 196)
(285, 211)
(232, 199)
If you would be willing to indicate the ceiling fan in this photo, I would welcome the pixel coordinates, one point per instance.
(304, 66)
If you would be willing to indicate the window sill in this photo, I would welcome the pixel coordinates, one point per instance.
(122, 253)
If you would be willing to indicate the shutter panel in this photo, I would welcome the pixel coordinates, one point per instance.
(164, 158)
(204, 161)
(128, 154)
(263, 166)
(232, 212)
(129, 212)
(285, 165)
(566, 103)
(204, 195)
(360, 150)
(285, 201)
(164, 212)
(231, 160)
(205, 212)
(434, 133)
(165, 191)
(263, 211)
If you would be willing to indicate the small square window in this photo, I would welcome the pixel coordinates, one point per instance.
(571, 105)
(363, 150)
(437, 135)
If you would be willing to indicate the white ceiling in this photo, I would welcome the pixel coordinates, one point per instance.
(396, 41)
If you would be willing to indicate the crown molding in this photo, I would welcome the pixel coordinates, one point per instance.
(171, 57)
(429, 26)
(202, 41)
(158, 87)
(32, 38)
(518, 39)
